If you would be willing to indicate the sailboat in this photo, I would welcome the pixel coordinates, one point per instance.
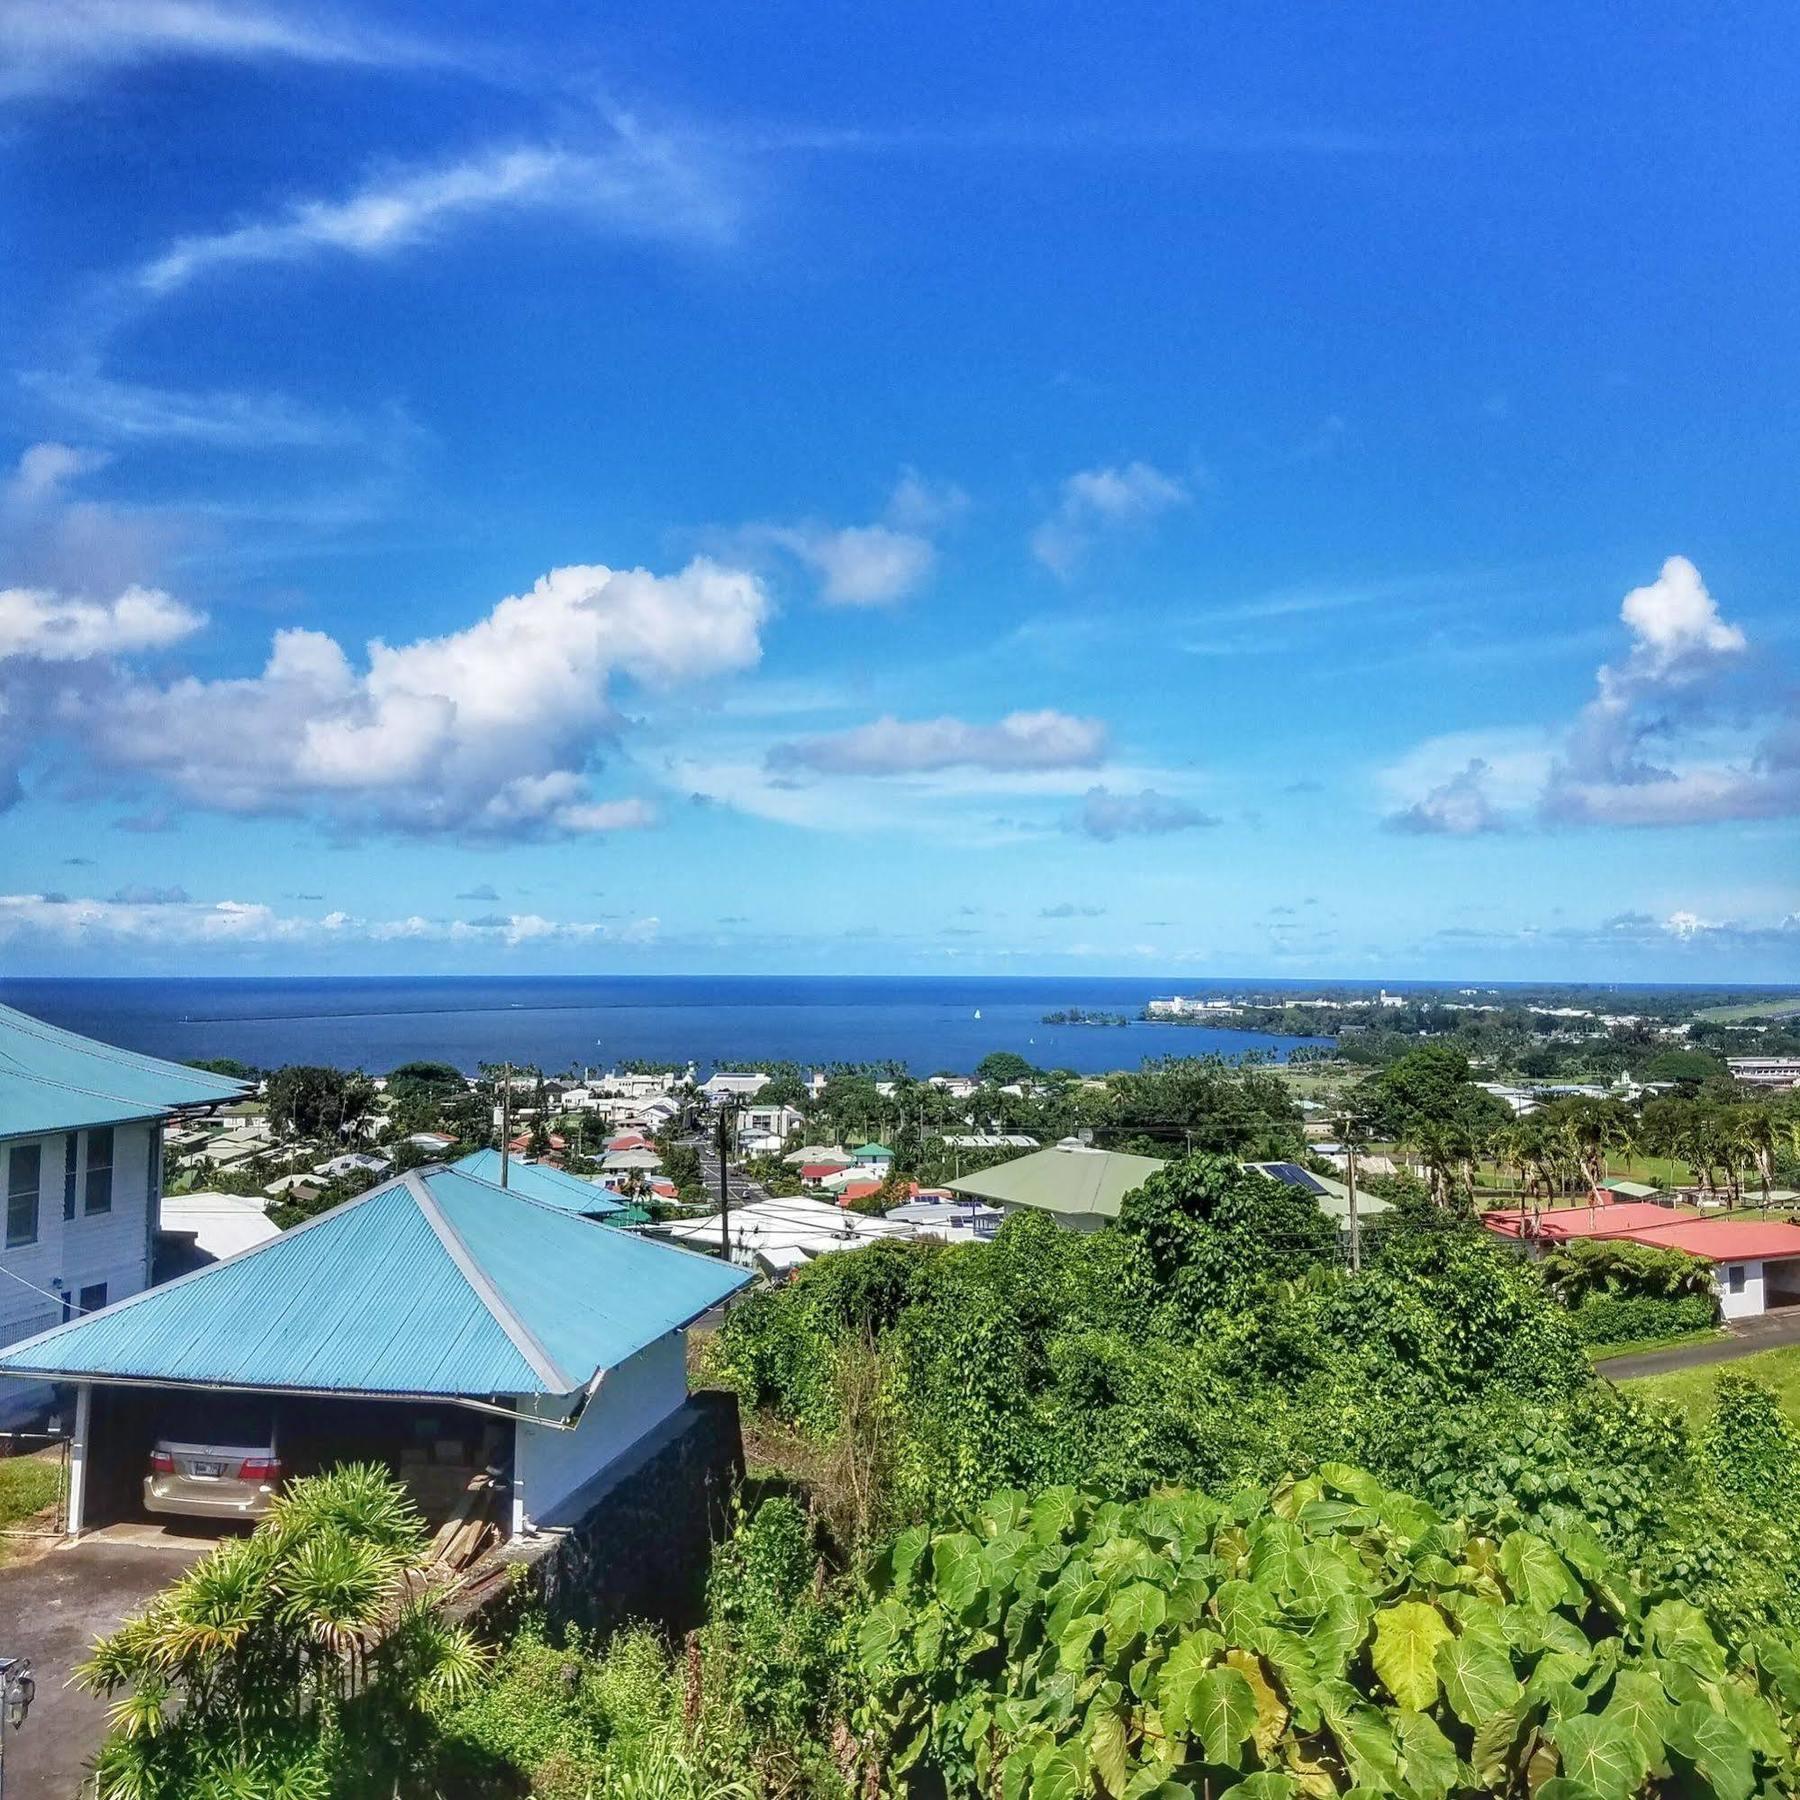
(978, 1012)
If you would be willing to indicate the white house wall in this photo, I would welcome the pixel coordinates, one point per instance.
(1752, 1301)
(112, 1247)
(634, 1398)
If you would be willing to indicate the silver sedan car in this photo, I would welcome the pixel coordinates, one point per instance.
(217, 1459)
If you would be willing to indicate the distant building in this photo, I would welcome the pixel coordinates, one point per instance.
(1765, 1071)
(1080, 1187)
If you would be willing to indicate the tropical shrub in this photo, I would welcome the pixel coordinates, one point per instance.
(1638, 1318)
(289, 1662)
(1584, 1267)
(1329, 1635)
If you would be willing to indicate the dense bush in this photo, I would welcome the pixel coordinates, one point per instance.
(1584, 1267)
(1639, 1318)
(1326, 1635)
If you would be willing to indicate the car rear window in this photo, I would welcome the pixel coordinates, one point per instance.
(217, 1419)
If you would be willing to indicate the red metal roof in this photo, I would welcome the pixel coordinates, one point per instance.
(819, 1170)
(1726, 1240)
(858, 1190)
(1619, 1219)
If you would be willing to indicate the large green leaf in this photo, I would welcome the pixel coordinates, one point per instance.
(1364, 1737)
(1600, 1752)
(956, 1571)
(1240, 1606)
(1428, 1759)
(879, 1633)
(1106, 1750)
(1716, 1747)
(1478, 1677)
(1059, 1774)
(1638, 1702)
(1271, 1714)
(1136, 1611)
(1183, 1672)
(1680, 1631)
(1407, 1639)
(1534, 1573)
(1221, 1713)
(1494, 1753)
(1265, 1784)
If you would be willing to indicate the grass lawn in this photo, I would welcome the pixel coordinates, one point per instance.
(1782, 1008)
(28, 1486)
(1693, 1389)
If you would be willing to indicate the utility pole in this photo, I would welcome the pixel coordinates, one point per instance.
(723, 1130)
(505, 1111)
(1349, 1127)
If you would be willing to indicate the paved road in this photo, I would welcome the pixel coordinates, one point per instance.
(51, 1610)
(1772, 1331)
(743, 1191)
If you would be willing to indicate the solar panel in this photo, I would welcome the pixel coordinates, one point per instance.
(1294, 1176)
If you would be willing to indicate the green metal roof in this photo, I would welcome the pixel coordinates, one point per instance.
(53, 1080)
(539, 1181)
(873, 1150)
(1076, 1182)
(1632, 1190)
(434, 1283)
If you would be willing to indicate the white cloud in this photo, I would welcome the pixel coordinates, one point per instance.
(167, 918)
(1642, 751)
(49, 627)
(1107, 815)
(46, 44)
(1458, 807)
(1045, 739)
(483, 731)
(859, 565)
(876, 564)
(43, 471)
(637, 183)
(1094, 501)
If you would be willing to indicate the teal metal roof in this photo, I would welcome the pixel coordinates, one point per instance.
(873, 1150)
(538, 1181)
(434, 1283)
(52, 1080)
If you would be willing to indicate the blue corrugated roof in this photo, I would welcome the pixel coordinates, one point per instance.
(52, 1080)
(433, 1283)
(541, 1182)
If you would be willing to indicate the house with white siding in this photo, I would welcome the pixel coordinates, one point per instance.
(81, 1126)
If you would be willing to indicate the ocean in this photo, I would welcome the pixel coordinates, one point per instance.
(559, 1022)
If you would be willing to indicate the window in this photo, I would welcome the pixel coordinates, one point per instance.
(93, 1297)
(99, 1171)
(71, 1156)
(1734, 1278)
(24, 1176)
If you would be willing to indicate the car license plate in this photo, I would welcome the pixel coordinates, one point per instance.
(214, 1469)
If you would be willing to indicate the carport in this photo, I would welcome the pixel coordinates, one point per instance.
(438, 1323)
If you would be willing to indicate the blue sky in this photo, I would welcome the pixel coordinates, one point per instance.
(929, 489)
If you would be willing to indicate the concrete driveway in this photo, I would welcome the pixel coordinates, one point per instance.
(52, 1607)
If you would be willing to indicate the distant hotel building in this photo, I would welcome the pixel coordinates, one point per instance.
(1765, 1071)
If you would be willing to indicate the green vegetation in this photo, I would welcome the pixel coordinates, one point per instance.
(29, 1486)
(1695, 1392)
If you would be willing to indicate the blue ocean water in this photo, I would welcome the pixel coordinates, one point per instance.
(563, 1021)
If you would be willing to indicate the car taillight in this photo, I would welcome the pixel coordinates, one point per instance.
(161, 1463)
(259, 1468)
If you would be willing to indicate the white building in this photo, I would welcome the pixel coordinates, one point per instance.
(1765, 1071)
(725, 1088)
(81, 1128)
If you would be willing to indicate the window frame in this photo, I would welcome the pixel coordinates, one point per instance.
(14, 1193)
(90, 1169)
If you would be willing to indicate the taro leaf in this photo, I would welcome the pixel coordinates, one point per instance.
(1271, 1714)
(1136, 1611)
(1407, 1640)
(1231, 1545)
(1273, 1542)
(1717, 1748)
(1317, 1572)
(1478, 1677)
(956, 1571)
(1181, 1676)
(1427, 1758)
(1015, 1772)
(1106, 1750)
(1004, 1512)
(1337, 1633)
(1353, 1483)
(1365, 1740)
(1638, 1702)
(1781, 1662)
(1534, 1573)
(1265, 1784)
(1494, 1752)
(1240, 1606)
(1075, 1644)
(1053, 1514)
(1601, 1753)
(928, 1641)
(1560, 1787)
(905, 1552)
(1221, 1713)
(1588, 1557)
(1680, 1631)
(1059, 1774)
(878, 1635)
(1760, 1721)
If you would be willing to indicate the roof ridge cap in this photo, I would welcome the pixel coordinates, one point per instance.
(499, 1308)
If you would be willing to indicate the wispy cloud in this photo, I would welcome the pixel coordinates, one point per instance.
(1095, 501)
(1045, 739)
(49, 45)
(1458, 807)
(1107, 815)
(636, 182)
